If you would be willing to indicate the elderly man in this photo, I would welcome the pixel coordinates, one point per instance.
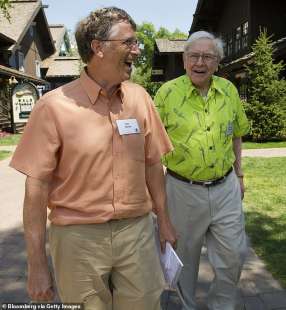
(91, 152)
(205, 120)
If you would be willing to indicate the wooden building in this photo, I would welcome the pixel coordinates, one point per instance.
(25, 41)
(167, 59)
(238, 23)
(61, 68)
(34, 58)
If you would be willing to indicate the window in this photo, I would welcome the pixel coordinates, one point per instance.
(243, 91)
(21, 62)
(38, 68)
(230, 46)
(31, 31)
(238, 39)
(245, 35)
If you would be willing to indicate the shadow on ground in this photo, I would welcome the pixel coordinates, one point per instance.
(13, 261)
(13, 266)
(268, 236)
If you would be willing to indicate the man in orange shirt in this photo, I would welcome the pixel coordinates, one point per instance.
(91, 152)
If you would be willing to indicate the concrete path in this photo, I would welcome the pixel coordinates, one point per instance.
(276, 152)
(259, 291)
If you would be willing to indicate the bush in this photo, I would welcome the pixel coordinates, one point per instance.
(267, 93)
(266, 122)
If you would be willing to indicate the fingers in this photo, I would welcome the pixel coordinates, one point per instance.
(46, 295)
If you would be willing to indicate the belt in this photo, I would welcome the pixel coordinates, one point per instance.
(202, 183)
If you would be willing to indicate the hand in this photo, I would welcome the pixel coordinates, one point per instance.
(167, 233)
(242, 187)
(40, 285)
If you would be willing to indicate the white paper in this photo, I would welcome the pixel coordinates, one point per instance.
(127, 126)
(170, 262)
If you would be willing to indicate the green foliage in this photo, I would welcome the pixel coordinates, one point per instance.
(143, 78)
(4, 154)
(147, 35)
(5, 5)
(267, 92)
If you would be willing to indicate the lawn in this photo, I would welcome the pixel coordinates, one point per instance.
(4, 154)
(264, 145)
(265, 209)
(10, 139)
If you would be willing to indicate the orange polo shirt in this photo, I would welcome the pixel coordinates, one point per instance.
(72, 141)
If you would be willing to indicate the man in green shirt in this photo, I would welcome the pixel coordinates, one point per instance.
(205, 120)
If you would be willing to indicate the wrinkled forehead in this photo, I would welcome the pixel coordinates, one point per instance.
(202, 45)
(119, 28)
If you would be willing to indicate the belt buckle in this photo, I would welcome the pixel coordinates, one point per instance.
(207, 183)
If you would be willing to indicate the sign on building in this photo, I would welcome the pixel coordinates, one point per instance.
(24, 97)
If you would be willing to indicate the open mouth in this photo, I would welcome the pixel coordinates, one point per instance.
(129, 64)
(199, 71)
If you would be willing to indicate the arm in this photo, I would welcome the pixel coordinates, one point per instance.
(39, 286)
(156, 184)
(236, 143)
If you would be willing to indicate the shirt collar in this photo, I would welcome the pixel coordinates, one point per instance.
(92, 89)
(215, 85)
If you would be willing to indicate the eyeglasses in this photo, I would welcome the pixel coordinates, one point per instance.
(130, 43)
(206, 58)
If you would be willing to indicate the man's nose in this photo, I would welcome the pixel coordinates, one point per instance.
(135, 51)
(200, 60)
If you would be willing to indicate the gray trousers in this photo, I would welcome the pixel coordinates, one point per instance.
(213, 214)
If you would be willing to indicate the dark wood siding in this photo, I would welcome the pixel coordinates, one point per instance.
(32, 48)
(234, 13)
(270, 15)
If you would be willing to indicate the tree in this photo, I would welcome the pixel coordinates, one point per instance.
(266, 92)
(147, 35)
(5, 5)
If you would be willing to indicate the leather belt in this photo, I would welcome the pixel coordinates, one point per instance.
(202, 183)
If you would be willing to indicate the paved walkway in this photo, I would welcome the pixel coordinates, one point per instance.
(259, 291)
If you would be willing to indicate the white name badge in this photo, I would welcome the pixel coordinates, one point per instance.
(127, 126)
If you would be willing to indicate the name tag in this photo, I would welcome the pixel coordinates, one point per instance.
(127, 126)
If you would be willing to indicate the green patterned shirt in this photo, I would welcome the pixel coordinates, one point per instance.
(201, 129)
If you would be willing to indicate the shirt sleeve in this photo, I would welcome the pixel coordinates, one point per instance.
(36, 153)
(157, 142)
(159, 103)
(241, 124)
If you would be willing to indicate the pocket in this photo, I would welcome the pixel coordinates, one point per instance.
(134, 146)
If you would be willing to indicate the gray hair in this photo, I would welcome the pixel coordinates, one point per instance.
(218, 42)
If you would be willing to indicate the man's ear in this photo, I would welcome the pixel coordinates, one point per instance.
(96, 47)
(184, 60)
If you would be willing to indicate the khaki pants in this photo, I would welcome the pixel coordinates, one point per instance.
(112, 265)
(213, 214)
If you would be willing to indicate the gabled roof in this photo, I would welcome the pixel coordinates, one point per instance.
(206, 15)
(64, 67)
(58, 32)
(170, 46)
(23, 13)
